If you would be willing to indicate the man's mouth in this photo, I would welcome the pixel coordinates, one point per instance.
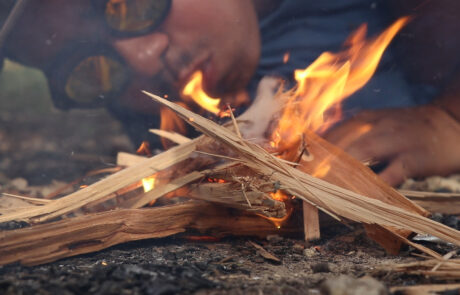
(203, 63)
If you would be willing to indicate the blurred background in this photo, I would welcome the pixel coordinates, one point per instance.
(40, 144)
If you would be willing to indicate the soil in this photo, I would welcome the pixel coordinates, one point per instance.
(41, 151)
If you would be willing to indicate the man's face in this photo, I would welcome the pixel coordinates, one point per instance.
(220, 38)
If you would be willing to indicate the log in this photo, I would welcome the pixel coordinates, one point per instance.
(93, 232)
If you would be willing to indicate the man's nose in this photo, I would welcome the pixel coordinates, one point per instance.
(143, 53)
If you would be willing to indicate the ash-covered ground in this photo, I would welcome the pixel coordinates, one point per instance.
(42, 149)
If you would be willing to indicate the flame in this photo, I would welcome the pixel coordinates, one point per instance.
(144, 149)
(282, 197)
(278, 222)
(149, 183)
(315, 102)
(279, 196)
(194, 90)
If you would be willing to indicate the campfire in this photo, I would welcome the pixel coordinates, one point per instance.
(248, 177)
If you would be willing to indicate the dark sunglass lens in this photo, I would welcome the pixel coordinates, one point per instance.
(135, 15)
(95, 79)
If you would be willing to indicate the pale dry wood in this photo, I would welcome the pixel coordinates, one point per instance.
(93, 232)
(104, 187)
(424, 289)
(33, 201)
(324, 195)
(310, 222)
(127, 159)
(447, 269)
(172, 136)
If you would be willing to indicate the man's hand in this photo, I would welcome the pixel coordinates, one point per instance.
(415, 142)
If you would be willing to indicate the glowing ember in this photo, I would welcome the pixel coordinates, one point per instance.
(315, 103)
(216, 180)
(286, 57)
(194, 90)
(149, 183)
(279, 196)
(278, 222)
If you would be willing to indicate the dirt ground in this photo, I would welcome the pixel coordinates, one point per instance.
(42, 149)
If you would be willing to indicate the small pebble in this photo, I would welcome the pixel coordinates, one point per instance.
(320, 267)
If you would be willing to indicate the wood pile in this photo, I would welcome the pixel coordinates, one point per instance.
(231, 181)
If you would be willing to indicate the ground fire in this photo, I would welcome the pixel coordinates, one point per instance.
(247, 177)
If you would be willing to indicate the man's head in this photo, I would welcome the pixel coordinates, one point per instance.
(220, 38)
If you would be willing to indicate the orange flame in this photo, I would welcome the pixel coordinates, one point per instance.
(282, 197)
(144, 149)
(315, 103)
(194, 90)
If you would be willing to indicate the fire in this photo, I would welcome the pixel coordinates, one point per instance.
(194, 90)
(315, 102)
(144, 149)
(149, 183)
(279, 196)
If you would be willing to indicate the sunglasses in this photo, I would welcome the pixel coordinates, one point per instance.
(90, 75)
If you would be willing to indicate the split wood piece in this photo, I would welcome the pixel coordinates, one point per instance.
(127, 159)
(332, 164)
(439, 268)
(426, 289)
(311, 222)
(172, 136)
(446, 203)
(330, 198)
(104, 187)
(93, 232)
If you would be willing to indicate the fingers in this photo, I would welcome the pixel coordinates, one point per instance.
(394, 174)
(402, 167)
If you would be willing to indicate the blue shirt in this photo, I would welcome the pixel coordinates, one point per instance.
(306, 28)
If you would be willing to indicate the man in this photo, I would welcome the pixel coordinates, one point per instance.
(234, 43)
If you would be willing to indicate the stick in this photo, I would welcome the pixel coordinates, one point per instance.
(311, 222)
